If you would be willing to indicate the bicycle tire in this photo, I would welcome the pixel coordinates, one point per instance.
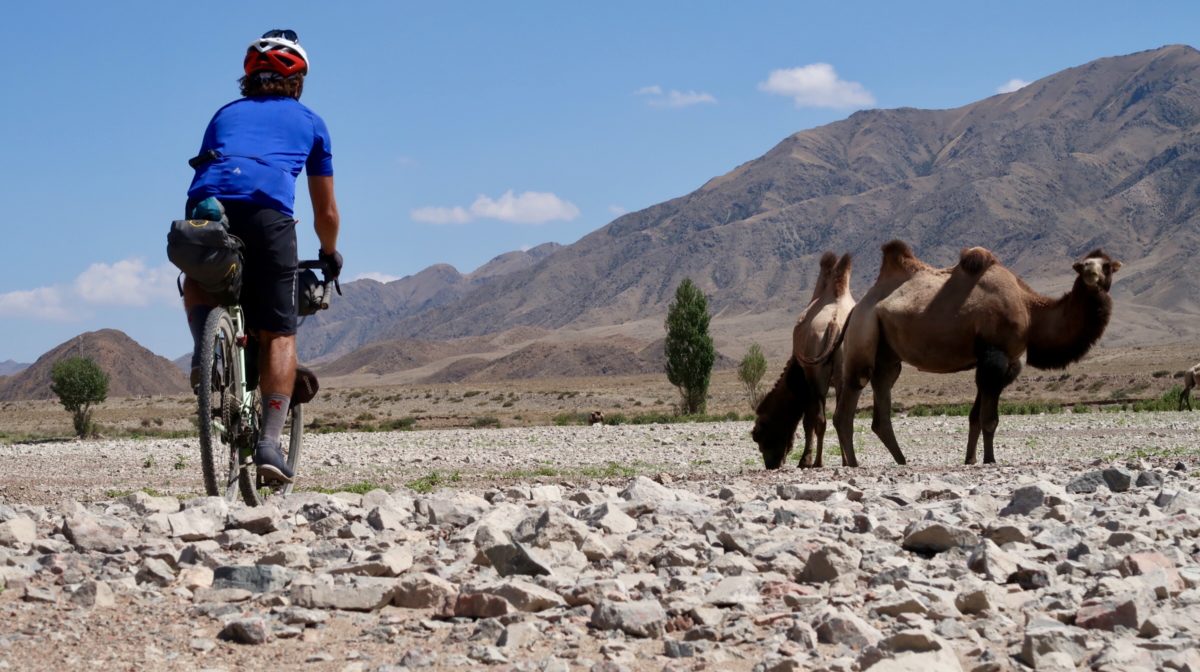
(214, 395)
(254, 491)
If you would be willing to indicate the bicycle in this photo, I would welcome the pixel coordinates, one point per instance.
(230, 407)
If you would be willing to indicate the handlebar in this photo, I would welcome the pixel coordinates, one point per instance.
(323, 267)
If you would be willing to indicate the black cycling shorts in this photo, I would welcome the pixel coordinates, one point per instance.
(269, 278)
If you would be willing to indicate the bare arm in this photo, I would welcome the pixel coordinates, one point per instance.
(326, 220)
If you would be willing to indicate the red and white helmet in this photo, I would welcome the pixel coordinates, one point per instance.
(276, 51)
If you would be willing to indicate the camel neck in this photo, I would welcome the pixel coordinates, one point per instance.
(1063, 331)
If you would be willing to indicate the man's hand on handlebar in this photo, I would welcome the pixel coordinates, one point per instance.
(333, 263)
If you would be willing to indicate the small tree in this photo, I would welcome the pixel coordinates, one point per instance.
(750, 372)
(689, 348)
(79, 383)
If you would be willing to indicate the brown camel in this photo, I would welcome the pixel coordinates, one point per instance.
(1189, 381)
(815, 363)
(976, 315)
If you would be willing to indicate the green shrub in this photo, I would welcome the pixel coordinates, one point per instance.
(79, 383)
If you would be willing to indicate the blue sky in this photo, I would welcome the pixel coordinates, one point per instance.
(461, 130)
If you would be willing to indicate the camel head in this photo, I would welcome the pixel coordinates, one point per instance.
(1097, 269)
(778, 415)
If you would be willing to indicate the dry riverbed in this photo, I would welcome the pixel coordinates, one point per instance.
(615, 547)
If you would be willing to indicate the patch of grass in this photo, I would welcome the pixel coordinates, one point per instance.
(117, 494)
(431, 481)
(359, 488)
(485, 421)
(610, 470)
(564, 419)
(180, 463)
(1167, 401)
(148, 463)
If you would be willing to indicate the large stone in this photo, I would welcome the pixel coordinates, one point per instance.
(931, 536)
(195, 524)
(1117, 479)
(549, 526)
(643, 618)
(17, 531)
(1129, 611)
(457, 510)
(1086, 483)
(517, 559)
(809, 493)
(423, 591)
(481, 605)
(609, 518)
(1154, 566)
(289, 555)
(258, 519)
(246, 631)
(993, 563)
(735, 591)
(254, 578)
(155, 571)
(847, 629)
(107, 534)
(93, 594)
(830, 562)
(1045, 636)
(386, 518)
(525, 596)
(360, 596)
(1027, 498)
(146, 505)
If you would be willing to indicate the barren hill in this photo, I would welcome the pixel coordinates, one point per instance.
(1104, 154)
(8, 367)
(132, 370)
(354, 318)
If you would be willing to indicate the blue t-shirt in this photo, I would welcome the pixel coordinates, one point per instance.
(264, 142)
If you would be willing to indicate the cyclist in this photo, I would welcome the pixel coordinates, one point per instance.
(251, 155)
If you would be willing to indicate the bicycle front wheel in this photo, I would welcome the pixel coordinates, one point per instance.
(216, 398)
(254, 489)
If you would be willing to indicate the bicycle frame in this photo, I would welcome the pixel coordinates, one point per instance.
(245, 419)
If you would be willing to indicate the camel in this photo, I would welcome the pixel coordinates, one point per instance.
(801, 390)
(1189, 381)
(976, 315)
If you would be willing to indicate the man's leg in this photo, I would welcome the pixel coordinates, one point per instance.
(277, 371)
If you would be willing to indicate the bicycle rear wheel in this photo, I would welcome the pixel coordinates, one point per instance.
(254, 489)
(216, 398)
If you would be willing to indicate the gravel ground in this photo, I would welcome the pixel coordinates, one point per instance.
(91, 470)
(616, 548)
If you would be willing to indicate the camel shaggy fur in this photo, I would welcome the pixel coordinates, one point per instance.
(976, 315)
(1189, 381)
(814, 365)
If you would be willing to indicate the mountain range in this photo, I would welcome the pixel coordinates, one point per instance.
(1106, 154)
(132, 369)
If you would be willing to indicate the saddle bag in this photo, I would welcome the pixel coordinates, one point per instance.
(208, 254)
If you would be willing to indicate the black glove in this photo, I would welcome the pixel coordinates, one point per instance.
(333, 263)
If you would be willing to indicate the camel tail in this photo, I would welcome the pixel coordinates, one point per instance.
(833, 341)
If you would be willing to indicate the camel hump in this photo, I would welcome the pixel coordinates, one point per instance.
(897, 250)
(827, 261)
(976, 260)
(898, 258)
(841, 275)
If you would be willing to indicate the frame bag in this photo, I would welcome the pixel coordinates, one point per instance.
(207, 253)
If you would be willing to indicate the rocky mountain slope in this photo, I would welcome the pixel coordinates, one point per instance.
(8, 367)
(132, 370)
(353, 319)
(1104, 154)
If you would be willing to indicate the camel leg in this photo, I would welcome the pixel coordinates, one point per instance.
(887, 370)
(806, 458)
(819, 427)
(973, 433)
(993, 372)
(843, 418)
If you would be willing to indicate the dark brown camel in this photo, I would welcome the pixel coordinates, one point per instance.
(976, 315)
(801, 390)
(1189, 381)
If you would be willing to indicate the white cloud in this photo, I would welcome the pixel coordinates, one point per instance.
(1012, 85)
(436, 215)
(817, 85)
(378, 277)
(44, 303)
(528, 207)
(127, 283)
(656, 97)
(617, 210)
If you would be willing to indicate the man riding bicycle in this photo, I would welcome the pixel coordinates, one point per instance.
(251, 155)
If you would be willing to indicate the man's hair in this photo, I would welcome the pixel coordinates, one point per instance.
(271, 84)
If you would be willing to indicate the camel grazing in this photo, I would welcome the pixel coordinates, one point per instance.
(1189, 381)
(801, 390)
(976, 315)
